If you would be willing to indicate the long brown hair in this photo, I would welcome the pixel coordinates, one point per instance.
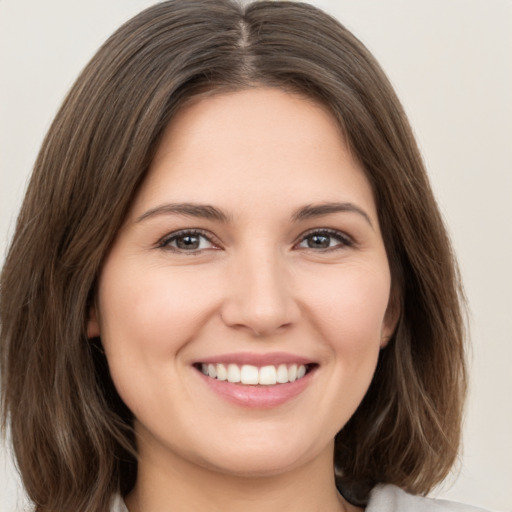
(71, 432)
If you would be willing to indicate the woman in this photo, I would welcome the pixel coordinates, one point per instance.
(233, 272)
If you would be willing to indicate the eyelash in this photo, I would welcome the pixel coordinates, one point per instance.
(165, 242)
(343, 239)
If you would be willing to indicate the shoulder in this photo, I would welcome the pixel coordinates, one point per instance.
(383, 498)
(389, 498)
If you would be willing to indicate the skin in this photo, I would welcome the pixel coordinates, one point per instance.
(257, 283)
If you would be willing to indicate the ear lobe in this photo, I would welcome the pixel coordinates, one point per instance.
(391, 318)
(93, 326)
(385, 338)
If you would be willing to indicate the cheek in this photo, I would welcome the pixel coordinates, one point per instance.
(152, 311)
(148, 314)
(350, 307)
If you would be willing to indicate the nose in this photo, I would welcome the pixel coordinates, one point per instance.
(260, 296)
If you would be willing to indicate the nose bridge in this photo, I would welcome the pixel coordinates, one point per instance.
(260, 293)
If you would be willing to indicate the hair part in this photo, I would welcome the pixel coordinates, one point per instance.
(72, 435)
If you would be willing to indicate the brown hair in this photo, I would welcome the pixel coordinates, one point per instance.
(71, 432)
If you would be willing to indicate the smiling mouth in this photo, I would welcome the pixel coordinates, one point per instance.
(250, 375)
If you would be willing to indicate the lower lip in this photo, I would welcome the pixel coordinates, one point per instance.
(257, 397)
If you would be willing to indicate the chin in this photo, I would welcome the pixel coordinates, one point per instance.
(255, 465)
(265, 457)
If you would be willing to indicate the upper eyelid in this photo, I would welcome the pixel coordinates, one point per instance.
(212, 238)
(163, 241)
(330, 231)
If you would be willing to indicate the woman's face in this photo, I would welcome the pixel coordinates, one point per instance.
(251, 252)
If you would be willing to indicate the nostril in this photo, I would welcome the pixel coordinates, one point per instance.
(260, 310)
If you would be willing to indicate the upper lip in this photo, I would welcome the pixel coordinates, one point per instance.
(254, 359)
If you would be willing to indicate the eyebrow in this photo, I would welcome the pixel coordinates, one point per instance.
(202, 211)
(318, 210)
(206, 211)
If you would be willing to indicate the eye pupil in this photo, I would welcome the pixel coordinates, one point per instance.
(188, 242)
(319, 241)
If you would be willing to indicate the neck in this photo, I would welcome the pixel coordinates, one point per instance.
(177, 485)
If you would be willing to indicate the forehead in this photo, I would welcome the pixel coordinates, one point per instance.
(247, 119)
(263, 142)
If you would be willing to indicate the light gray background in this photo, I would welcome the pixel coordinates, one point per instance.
(451, 63)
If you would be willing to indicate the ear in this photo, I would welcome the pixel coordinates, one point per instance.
(391, 318)
(93, 326)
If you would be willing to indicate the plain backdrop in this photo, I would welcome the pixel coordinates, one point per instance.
(451, 63)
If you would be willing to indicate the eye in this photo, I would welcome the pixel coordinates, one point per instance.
(191, 241)
(325, 239)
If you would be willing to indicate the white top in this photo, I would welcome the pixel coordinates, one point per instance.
(389, 498)
(383, 498)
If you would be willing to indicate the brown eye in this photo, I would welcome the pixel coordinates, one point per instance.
(318, 241)
(187, 241)
(325, 239)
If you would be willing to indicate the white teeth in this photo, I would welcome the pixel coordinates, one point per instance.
(252, 375)
(282, 374)
(212, 371)
(233, 373)
(249, 374)
(292, 373)
(268, 375)
(222, 373)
